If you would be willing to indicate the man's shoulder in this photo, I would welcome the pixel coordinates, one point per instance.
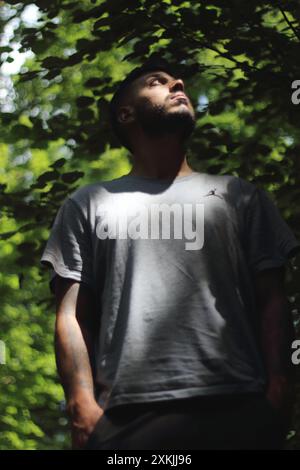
(94, 191)
(231, 184)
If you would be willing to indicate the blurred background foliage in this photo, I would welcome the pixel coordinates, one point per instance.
(238, 59)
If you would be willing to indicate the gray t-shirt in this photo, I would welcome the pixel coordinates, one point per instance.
(171, 265)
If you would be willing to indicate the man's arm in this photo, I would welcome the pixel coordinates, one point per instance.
(277, 334)
(74, 355)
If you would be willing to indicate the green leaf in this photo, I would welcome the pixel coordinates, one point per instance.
(84, 101)
(72, 176)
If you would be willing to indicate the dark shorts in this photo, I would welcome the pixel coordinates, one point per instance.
(246, 421)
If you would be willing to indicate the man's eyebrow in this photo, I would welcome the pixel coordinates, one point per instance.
(158, 75)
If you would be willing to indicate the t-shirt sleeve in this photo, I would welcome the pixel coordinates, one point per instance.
(69, 250)
(269, 240)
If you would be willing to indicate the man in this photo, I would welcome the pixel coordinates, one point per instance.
(173, 329)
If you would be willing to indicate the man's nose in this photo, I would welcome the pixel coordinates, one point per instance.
(177, 85)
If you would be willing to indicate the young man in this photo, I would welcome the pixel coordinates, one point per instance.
(173, 329)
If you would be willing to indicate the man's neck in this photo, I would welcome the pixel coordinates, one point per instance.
(160, 158)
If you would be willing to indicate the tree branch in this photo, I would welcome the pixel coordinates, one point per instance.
(290, 23)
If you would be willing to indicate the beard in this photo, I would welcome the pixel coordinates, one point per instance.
(157, 121)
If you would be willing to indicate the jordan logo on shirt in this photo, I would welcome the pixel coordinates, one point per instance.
(212, 192)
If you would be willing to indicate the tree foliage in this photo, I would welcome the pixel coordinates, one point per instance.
(238, 58)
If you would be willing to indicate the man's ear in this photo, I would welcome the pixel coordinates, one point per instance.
(126, 114)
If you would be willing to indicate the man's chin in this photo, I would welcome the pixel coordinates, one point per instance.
(177, 120)
(180, 117)
(181, 111)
